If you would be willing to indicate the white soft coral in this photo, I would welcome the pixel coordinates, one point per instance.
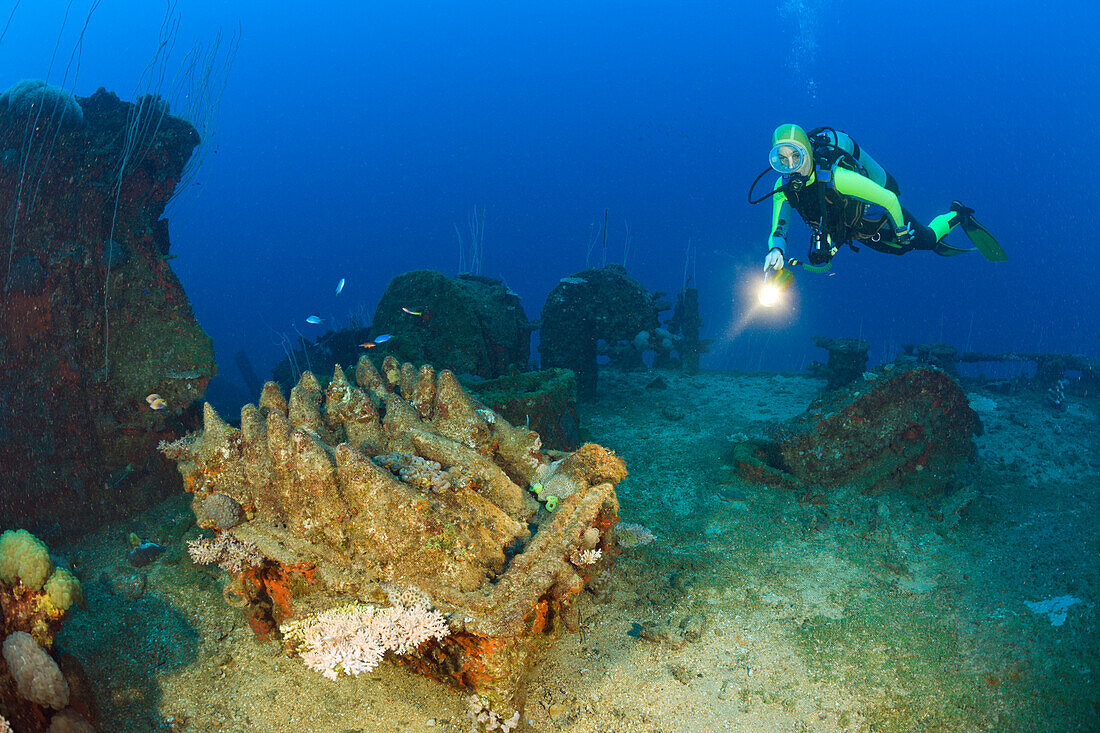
(354, 638)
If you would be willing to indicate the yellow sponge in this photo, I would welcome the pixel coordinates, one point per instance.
(63, 589)
(24, 557)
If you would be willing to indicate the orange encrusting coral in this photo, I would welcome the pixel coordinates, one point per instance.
(30, 611)
(273, 580)
(474, 662)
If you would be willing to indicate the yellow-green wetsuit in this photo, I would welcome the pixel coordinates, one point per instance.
(853, 205)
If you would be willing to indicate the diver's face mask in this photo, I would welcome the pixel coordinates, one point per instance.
(788, 157)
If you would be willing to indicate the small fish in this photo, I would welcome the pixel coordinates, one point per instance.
(379, 340)
(411, 312)
(314, 319)
(145, 553)
(340, 286)
(156, 402)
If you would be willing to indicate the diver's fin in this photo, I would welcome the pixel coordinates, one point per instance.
(983, 240)
(947, 250)
(979, 235)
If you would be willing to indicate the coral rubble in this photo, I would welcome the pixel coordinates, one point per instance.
(403, 484)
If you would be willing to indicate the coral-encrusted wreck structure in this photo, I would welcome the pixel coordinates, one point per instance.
(92, 318)
(469, 324)
(906, 429)
(402, 483)
(601, 309)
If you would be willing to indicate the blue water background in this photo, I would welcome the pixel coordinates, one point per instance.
(353, 138)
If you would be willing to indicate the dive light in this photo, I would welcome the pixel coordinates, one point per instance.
(776, 282)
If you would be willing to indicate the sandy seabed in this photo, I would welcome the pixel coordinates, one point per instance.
(753, 609)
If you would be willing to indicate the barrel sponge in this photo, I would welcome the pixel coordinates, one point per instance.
(37, 676)
(36, 97)
(24, 557)
(63, 589)
(69, 721)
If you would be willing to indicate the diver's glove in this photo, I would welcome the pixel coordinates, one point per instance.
(774, 260)
(904, 235)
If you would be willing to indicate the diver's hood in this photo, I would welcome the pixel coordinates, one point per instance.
(791, 150)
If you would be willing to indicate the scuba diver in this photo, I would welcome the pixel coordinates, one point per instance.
(845, 197)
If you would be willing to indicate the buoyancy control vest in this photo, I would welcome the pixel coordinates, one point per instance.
(826, 210)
